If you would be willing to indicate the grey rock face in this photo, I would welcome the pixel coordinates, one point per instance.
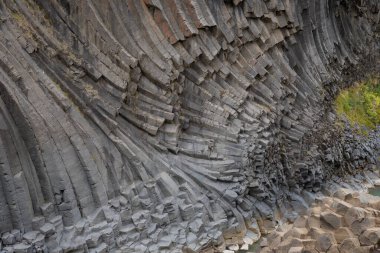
(139, 126)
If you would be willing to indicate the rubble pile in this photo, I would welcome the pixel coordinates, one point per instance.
(346, 222)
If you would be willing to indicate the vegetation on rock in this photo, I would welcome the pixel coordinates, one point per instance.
(360, 104)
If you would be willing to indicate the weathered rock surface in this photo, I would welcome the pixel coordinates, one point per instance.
(342, 238)
(168, 125)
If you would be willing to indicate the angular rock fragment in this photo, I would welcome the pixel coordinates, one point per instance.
(332, 219)
(370, 236)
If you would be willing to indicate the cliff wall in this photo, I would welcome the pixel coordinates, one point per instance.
(170, 125)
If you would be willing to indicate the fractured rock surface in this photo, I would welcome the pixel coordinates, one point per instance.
(167, 125)
(362, 208)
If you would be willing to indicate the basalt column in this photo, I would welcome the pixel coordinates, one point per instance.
(139, 125)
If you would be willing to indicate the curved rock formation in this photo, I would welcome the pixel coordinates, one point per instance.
(159, 124)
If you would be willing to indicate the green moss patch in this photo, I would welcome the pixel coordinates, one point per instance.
(360, 104)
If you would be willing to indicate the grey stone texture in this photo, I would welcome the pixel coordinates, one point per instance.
(342, 238)
(170, 125)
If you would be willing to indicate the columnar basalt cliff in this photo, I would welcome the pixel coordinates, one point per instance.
(170, 125)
